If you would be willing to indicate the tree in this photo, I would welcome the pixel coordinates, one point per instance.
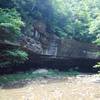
(10, 24)
(65, 18)
(10, 29)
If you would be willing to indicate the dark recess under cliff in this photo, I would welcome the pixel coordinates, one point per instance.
(79, 64)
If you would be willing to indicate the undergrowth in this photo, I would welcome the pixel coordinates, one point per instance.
(31, 75)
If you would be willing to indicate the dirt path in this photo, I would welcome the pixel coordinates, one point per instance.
(68, 88)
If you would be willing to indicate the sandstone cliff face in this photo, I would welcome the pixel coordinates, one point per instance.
(34, 41)
(75, 49)
(42, 42)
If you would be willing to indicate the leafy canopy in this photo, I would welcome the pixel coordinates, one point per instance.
(10, 29)
(10, 22)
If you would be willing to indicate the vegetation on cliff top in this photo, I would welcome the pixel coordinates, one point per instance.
(77, 19)
(10, 22)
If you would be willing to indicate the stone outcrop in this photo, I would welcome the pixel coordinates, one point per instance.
(38, 41)
(75, 49)
(31, 44)
(42, 42)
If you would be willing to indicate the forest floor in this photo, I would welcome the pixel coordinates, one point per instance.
(79, 87)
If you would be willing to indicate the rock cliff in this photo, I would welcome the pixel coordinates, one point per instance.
(42, 42)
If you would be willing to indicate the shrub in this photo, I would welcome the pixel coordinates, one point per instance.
(10, 24)
(10, 29)
(17, 56)
(13, 56)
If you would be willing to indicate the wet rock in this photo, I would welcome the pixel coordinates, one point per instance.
(31, 44)
(41, 71)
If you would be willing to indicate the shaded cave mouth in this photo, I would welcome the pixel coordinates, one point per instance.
(80, 65)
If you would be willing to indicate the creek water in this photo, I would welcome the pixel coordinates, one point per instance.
(79, 88)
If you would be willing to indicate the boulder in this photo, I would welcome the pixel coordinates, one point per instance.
(41, 71)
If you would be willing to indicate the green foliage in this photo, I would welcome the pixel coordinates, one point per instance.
(12, 57)
(25, 8)
(97, 41)
(31, 75)
(4, 64)
(10, 29)
(18, 56)
(10, 22)
(77, 19)
(97, 65)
